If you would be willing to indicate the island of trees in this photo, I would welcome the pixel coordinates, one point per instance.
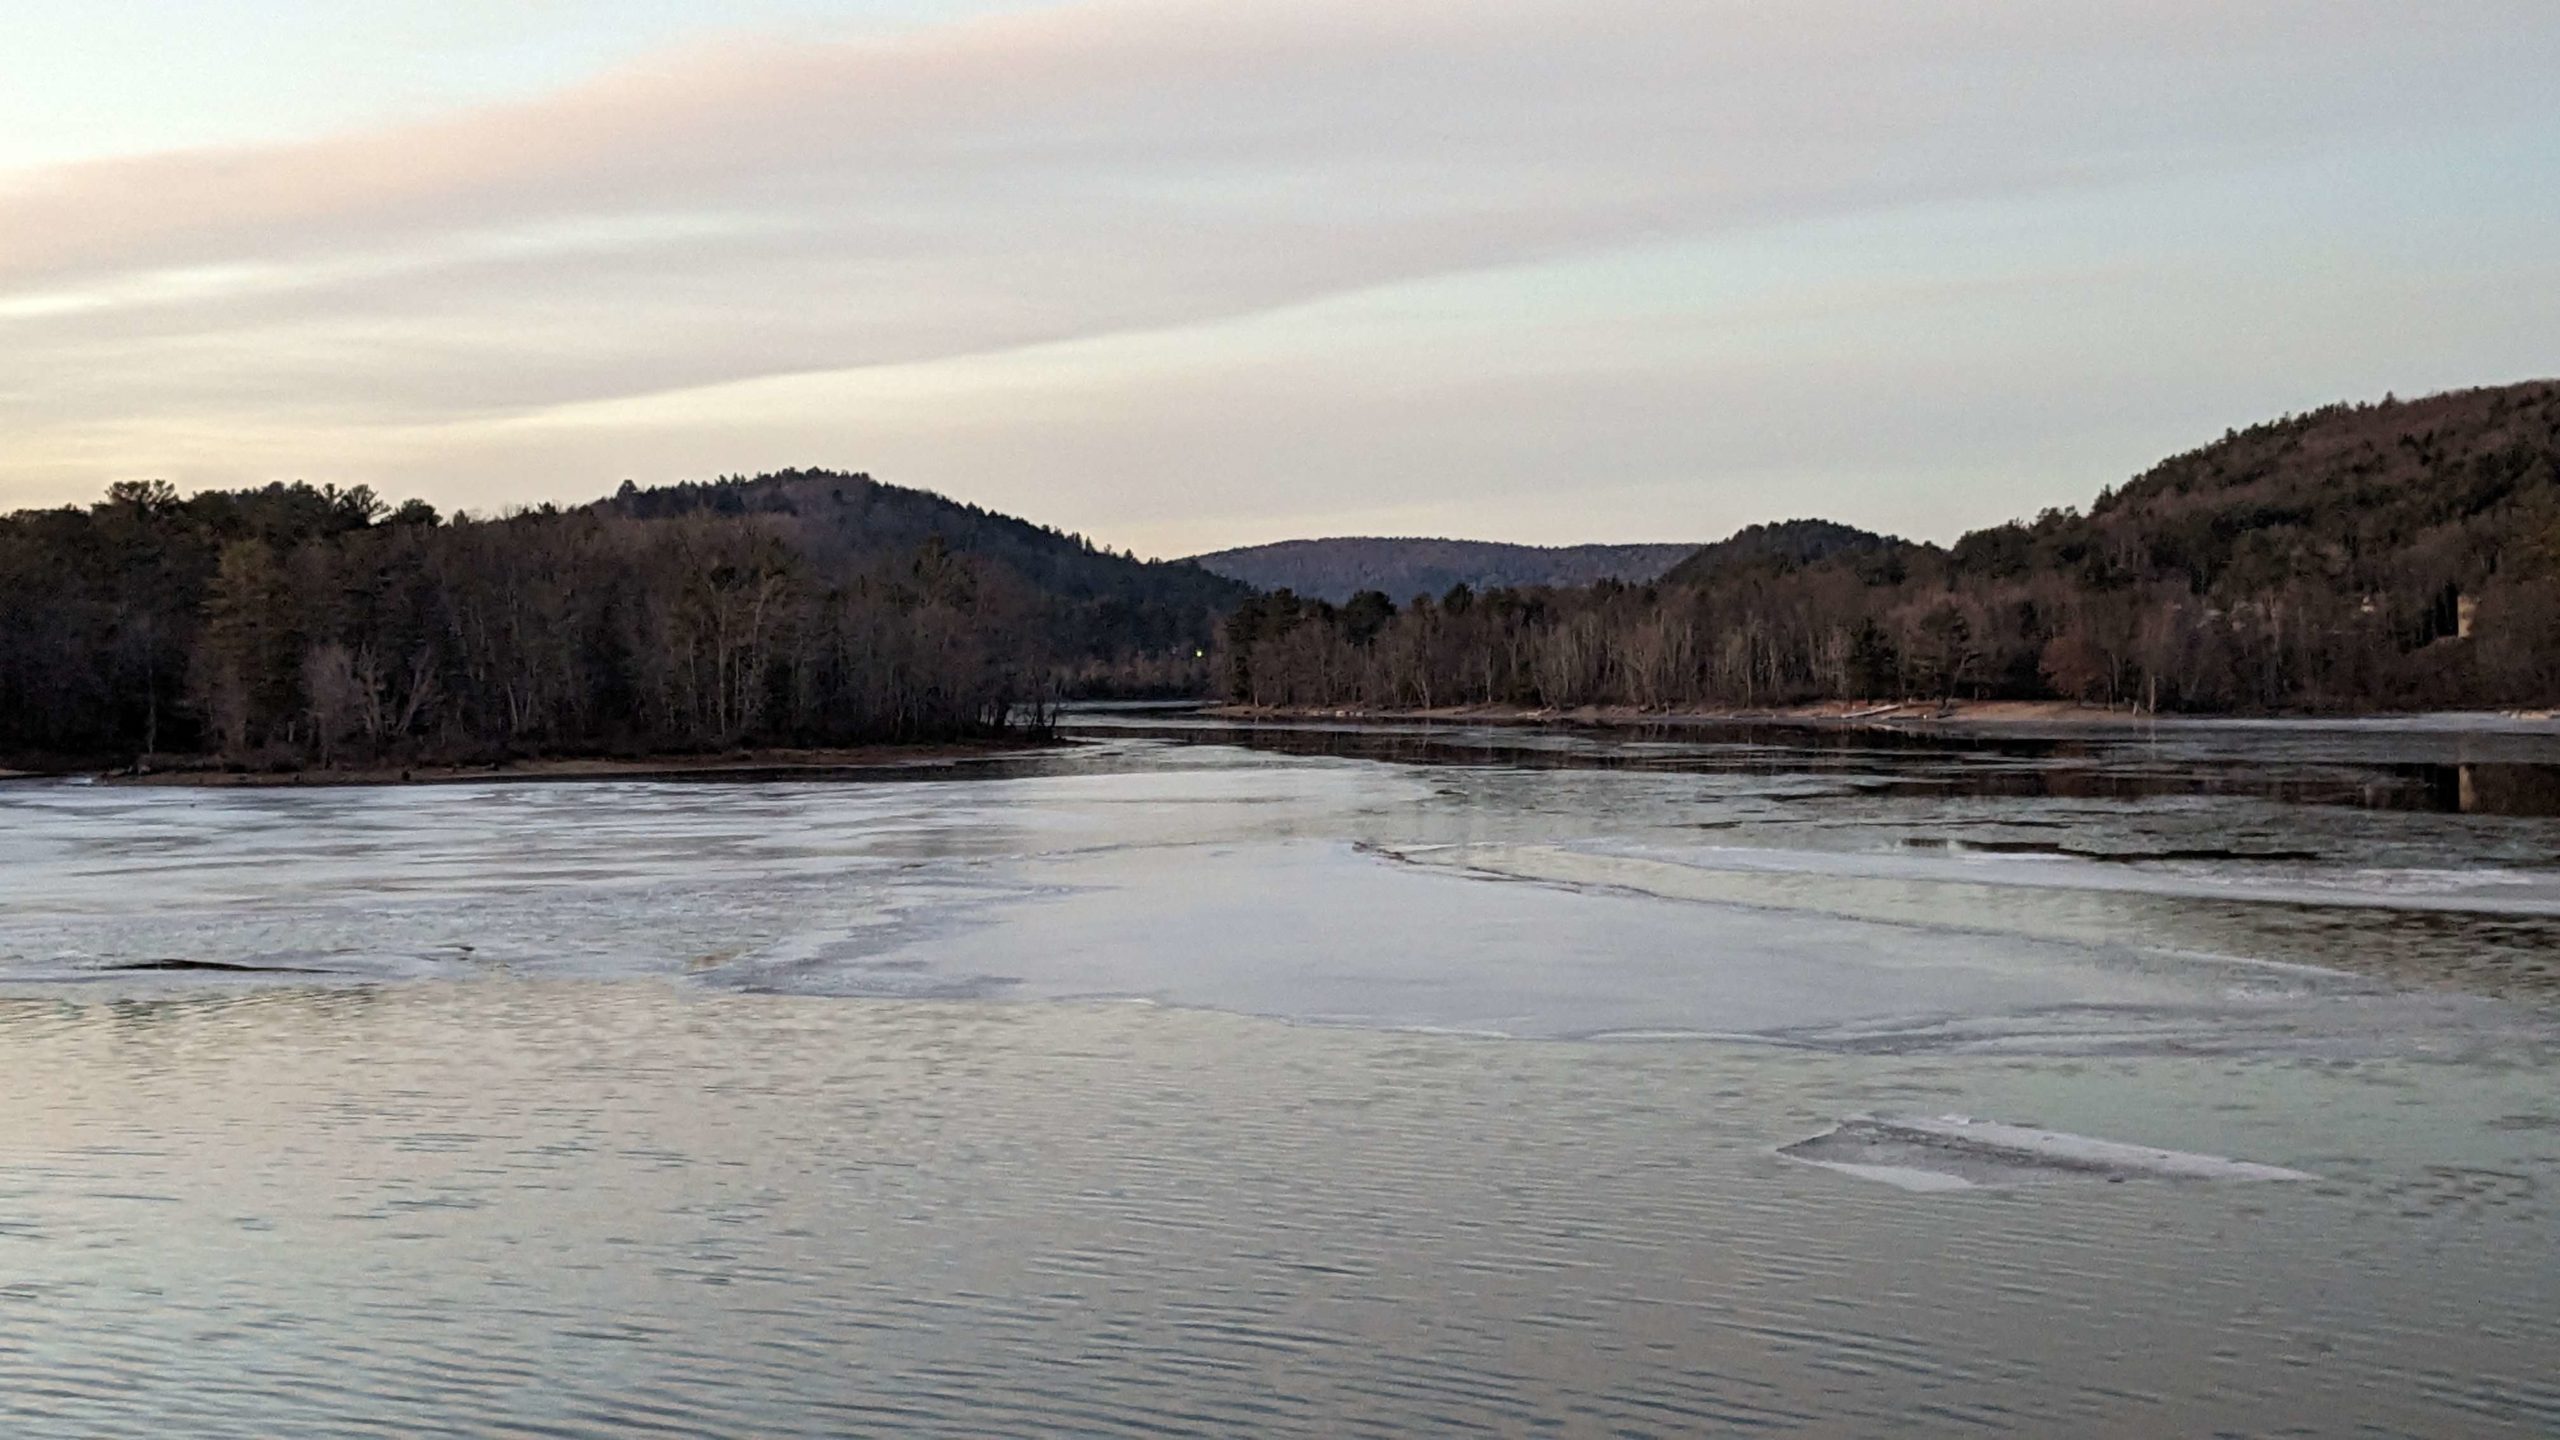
(2367, 557)
(296, 626)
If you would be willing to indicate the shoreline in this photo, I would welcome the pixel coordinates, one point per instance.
(1964, 714)
(839, 762)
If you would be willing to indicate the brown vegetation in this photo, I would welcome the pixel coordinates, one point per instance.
(2399, 555)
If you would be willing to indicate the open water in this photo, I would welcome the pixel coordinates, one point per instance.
(1307, 1080)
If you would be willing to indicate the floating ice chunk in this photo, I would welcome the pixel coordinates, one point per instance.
(1956, 1152)
(1901, 1177)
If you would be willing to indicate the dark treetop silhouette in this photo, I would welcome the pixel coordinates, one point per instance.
(294, 625)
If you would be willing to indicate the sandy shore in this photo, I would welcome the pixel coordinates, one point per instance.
(733, 765)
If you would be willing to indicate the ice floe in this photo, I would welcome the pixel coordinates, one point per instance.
(1957, 1152)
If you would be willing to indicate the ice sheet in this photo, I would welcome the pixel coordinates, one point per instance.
(1311, 889)
(1956, 1152)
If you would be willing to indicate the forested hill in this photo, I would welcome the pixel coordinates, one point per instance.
(2393, 503)
(841, 517)
(1784, 546)
(2401, 554)
(1335, 570)
(292, 625)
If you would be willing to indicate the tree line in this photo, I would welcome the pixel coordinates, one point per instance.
(2356, 558)
(296, 625)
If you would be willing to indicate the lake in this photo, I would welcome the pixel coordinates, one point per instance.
(1304, 1079)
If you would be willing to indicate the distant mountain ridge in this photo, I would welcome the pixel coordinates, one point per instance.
(1335, 569)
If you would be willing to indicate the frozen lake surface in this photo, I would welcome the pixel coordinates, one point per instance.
(1471, 1082)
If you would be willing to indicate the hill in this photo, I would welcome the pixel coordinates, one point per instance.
(1114, 602)
(1335, 570)
(2392, 555)
(2398, 500)
(292, 625)
(1781, 547)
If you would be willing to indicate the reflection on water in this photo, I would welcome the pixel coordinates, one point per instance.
(613, 1209)
(2487, 771)
(812, 1109)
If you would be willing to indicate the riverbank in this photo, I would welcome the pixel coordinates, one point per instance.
(1963, 714)
(814, 764)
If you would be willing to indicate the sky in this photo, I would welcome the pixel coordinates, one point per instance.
(1186, 274)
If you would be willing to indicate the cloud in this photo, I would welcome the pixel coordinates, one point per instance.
(767, 207)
